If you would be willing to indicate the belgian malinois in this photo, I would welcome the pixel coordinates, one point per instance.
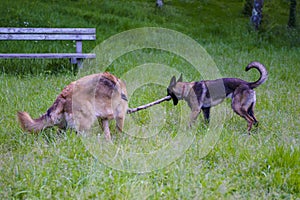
(203, 95)
(97, 96)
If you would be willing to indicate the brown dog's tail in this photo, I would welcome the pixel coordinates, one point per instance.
(32, 125)
(53, 116)
(263, 73)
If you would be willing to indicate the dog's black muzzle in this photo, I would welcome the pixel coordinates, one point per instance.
(174, 98)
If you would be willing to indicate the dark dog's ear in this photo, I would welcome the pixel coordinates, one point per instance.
(173, 81)
(180, 78)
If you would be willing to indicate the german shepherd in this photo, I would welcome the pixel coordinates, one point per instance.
(203, 95)
(98, 96)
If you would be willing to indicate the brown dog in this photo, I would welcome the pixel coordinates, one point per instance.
(98, 96)
(205, 94)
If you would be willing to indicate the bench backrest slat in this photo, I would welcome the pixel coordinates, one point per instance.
(47, 33)
(45, 37)
(49, 30)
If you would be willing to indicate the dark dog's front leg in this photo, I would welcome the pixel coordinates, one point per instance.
(206, 113)
(193, 116)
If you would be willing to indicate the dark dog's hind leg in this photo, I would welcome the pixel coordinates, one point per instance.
(251, 113)
(243, 112)
(206, 113)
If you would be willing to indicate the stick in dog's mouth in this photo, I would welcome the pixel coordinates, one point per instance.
(132, 110)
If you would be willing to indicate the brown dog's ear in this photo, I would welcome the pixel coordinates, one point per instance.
(180, 78)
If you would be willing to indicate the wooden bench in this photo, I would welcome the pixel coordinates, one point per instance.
(35, 34)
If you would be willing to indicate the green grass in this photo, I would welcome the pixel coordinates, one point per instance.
(264, 165)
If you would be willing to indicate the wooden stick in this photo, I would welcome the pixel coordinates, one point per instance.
(132, 110)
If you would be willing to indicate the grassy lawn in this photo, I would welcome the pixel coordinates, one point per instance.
(263, 165)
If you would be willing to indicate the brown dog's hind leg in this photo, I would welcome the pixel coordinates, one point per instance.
(105, 127)
(120, 123)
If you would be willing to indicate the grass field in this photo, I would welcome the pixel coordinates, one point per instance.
(264, 165)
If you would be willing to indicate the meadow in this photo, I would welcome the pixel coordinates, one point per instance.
(263, 165)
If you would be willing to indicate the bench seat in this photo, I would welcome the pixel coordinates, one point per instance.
(48, 55)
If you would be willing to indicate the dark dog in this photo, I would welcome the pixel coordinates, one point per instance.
(203, 95)
(97, 96)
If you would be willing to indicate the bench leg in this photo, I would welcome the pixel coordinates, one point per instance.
(77, 61)
(80, 63)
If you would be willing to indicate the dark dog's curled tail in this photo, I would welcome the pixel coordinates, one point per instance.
(32, 125)
(263, 73)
